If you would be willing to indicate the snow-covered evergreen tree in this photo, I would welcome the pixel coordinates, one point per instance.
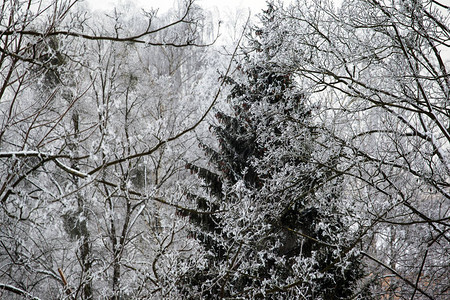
(274, 228)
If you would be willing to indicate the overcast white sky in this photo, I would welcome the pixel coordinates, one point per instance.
(254, 5)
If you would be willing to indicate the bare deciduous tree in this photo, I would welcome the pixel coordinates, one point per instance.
(380, 73)
(91, 139)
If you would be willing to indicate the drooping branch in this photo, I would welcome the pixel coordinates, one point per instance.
(17, 291)
(137, 38)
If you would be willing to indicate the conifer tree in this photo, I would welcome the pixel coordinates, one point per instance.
(268, 236)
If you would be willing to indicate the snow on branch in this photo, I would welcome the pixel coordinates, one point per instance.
(17, 291)
(30, 153)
